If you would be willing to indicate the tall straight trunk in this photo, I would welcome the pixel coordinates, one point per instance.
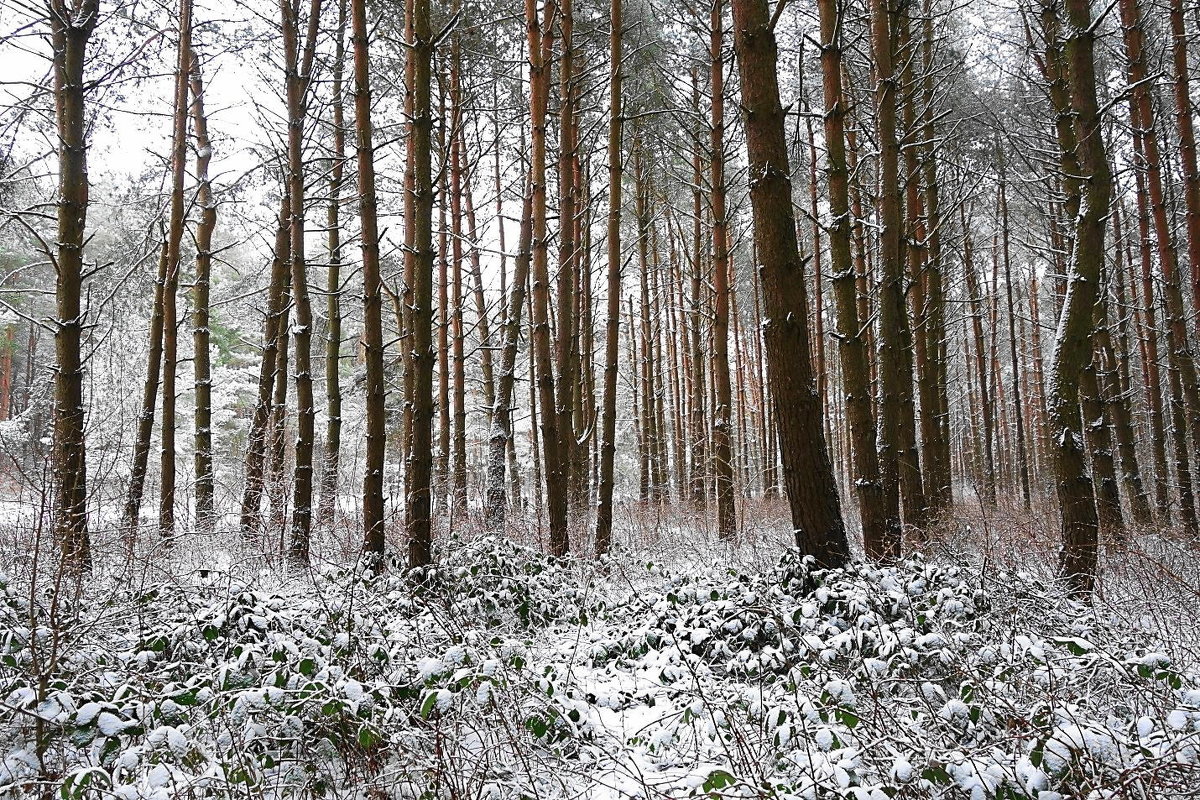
(419, 500)
(987, 463)
(441, 462)
(298, 70)
(1072, 344)
(1183, 470)
(540, 46)
(277, 447)
(501, 430)
(201, 359)
(482, 326)
(1179, 352)
(697, 320)
(1015, 364)
(645, 360)
(7, 347)
(852, 347)
(818, 278)
(1117, 384)
(722, 408)
(808, 473)
(372, 337)
(175, 231)
(899, 471)
(1098, 436)
(71, 26)
(408, 274)
(935, 434)
(327, 505)
(458, 468)
(1151, 374)
(608, 432)
(565, 356)
(916, 235)
(145, 422)
(257, 440)
(1185, 130)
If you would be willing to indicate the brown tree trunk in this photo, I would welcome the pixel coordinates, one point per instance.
(986, 460)
(298, 68)
(1185, 129)
(1072, 346)
(808, 473)
(1179, 352)
(935, 434)
(145, 422)
(608, 432)
(458, 466)
(852, 348)
(896, 458)
(260, 421)
(327, 505)
(722, 409)
(175, 231)
(501, 430)
(201, 359)
(372, 502)
(540, 46)
(419, 500)
(1017, 371)
(71, 27)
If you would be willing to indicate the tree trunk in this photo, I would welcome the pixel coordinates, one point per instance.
(418, 505)
(1185, 128)
(808, 473)
(327, 505)
(145, 422)
(372, 503)
(1017, 371)
(175, 231)
(201, 359)
(895, 339)
(260, 421)
(540, 47)
(1072, 345)
(71, 27)
(722, 408)
(501, 430)
(298, 66)
(608, 433)
(855, 360)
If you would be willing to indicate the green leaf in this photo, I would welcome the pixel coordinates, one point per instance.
(717, 779)
(428, 705)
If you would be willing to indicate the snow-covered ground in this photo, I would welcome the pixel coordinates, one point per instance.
(503, 673)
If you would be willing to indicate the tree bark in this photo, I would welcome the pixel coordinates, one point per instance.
(71, 26)
(852, 349)
(419, 499)
(1072, 345)
(201, 359)
(372, 337)
(608, 433)
(722, 392)
(327, 505)
(808, 473)
(175, 231)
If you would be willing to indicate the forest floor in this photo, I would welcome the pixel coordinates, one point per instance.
(677, 667)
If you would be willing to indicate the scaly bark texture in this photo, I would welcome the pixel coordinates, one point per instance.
(608, 433)
(175, 226)
(71, 26)
(1073, 339)
(852, 348)
(372, 337)
(419, 501)
(327, 505)
(808, 473)
(722, 432)
(202, 458)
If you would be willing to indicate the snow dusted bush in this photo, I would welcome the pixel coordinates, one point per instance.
(505, 673)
